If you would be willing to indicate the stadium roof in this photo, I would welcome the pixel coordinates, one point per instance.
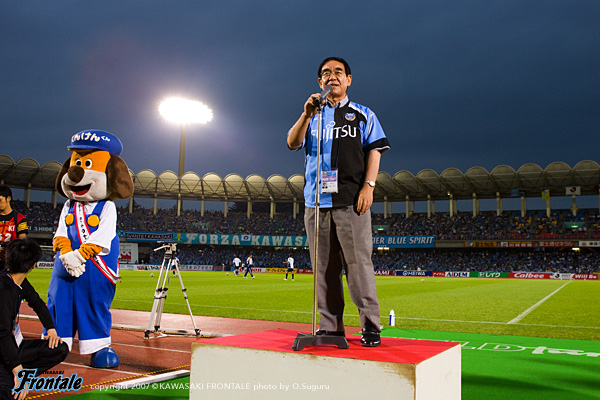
(529, 179)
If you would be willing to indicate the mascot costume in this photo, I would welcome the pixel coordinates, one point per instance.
(86, 268)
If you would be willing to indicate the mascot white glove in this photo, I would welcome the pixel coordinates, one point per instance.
(74, 263)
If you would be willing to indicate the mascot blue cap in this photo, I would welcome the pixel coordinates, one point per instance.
(93, 139)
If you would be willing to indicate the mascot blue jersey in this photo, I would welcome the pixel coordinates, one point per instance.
(111, 260)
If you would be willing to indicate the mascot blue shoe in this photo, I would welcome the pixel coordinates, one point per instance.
(105, 358)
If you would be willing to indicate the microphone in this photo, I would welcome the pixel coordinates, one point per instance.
(326, 90)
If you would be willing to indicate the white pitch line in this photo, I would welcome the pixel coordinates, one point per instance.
(495, 323)
(536, 305)
(150, 348)
(228, 307)
(134, 345)
(384, 317)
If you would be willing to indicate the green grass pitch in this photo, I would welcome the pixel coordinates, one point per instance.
(469, 305)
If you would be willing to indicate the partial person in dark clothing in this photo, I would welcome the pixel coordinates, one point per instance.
(15, 353)
(13, 225)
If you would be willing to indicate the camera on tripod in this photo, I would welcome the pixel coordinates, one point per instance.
(170, 248)
(170, 263)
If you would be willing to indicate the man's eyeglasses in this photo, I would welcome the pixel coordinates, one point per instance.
(327, 73)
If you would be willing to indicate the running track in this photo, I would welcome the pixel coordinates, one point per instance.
(140, 356)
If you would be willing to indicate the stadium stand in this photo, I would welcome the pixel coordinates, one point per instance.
(455, 230)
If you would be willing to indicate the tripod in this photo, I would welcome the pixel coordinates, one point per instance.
(162, 286)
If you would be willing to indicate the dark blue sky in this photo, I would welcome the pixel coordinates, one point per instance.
(454, 83)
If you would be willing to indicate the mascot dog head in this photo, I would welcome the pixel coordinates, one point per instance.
(94, 171)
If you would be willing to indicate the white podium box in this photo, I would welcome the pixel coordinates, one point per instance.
(262, 365)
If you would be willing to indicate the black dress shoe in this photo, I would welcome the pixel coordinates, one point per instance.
(322, 332)
(370, 338)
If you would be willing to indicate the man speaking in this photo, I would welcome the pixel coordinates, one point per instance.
(352, 144)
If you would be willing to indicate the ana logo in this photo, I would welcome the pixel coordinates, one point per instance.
(350, 116)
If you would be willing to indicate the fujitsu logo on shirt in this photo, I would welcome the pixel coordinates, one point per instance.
(337, 132)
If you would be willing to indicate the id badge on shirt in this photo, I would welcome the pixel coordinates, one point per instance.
(329, 181)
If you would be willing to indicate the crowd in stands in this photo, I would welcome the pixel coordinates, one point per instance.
(510, 225)
(489, 226)
(462, 226)
(538, 260)
(192, 221)
(486, 225)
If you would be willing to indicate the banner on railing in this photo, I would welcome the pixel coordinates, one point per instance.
(241, 240)
(488, 274)
(295, 241)
(397, 242)
(145, 236)
(399, 272)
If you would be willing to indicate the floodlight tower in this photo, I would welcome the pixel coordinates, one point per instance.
(184, 112)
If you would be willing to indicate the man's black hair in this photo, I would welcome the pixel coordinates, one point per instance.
(5, 191)
(21, 255)
(338, 59)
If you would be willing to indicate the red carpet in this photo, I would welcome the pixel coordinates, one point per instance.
(391, 350)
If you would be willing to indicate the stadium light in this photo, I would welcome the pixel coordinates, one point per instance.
(184, 112)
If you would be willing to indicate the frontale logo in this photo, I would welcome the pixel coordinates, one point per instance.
(58, 383)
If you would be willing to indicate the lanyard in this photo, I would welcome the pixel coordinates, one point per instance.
(84, 233)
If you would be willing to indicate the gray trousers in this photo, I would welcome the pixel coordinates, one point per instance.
(345, 241)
